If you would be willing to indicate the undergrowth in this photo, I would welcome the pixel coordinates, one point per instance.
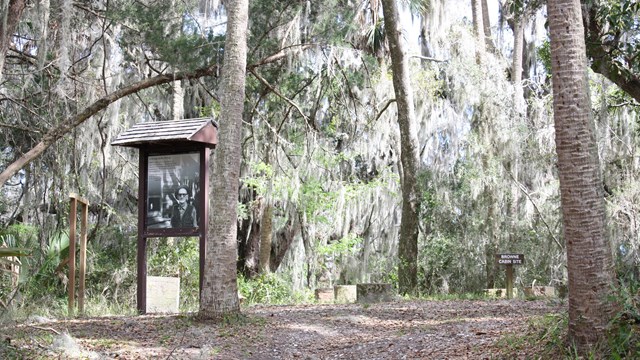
(271, 289)
(546, 336)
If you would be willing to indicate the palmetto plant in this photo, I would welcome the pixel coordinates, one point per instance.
(12, 252)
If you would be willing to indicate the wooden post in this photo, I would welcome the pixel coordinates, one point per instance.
(141, 247)
(509, 281)
(72, 254)
(73, 213)
(83, 256)
(204, 210)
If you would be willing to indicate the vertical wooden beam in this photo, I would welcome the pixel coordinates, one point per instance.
(509, 281)
(204, 210)
(141, 294)
(83, 256)
(72, 254)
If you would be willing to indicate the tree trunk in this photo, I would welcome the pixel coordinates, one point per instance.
(8, 24)
(478, 29)
(249, 239)
(284, 238)
(516, 65)
(589, 258)
(408, 242)
(486, 25)
(219, 297)
(265, 238)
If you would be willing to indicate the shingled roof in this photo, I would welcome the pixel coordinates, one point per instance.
(200, 130)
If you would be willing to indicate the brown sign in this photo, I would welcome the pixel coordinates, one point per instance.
(510, 259)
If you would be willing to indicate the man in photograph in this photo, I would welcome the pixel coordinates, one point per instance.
(184, 213)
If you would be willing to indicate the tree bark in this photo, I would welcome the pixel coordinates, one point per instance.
(409, 157)
(478, 29)
(219, 297)
(486, 25)
(516, 65)
(284, 238)
(249, 240)
(265, 238)
(8, 25)
(589, 258)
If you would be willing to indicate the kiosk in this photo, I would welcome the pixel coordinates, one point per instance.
(173, 184)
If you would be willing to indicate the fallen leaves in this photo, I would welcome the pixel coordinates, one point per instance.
(394, 330)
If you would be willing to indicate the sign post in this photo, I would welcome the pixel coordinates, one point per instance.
(509, 260)
(75, 199)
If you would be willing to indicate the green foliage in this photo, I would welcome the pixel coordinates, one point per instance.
(42, 281)
(623, 335)
(178, 257)
(261, 175)
(169, 31)
(544, 54)
(437, 256)
(348, 245)
(619, 18)
(17, 240)
(317, 201)
(242, 211)
(545, 336)
(19, 235)
(270, 289)
(13, 251)
(376, 36)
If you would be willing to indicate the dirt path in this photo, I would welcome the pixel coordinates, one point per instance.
(396, 330)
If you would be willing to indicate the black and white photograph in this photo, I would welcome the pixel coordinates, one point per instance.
(173, 192)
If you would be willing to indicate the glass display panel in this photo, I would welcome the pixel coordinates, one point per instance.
(173, 191)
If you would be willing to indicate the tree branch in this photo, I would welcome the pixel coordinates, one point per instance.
(526, 193)
(387, 103)
(69, 124)
(427, 58)
(16, 127)
(602, 61)
(279, 55)
(287, 100)
(62, 129)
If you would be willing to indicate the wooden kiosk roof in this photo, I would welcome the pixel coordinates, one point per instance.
(199, 130)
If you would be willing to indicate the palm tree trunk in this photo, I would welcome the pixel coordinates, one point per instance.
(219, 297)
(589, 258)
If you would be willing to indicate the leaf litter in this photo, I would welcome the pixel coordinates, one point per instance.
(417, 329)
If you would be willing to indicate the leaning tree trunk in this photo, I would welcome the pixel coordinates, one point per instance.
(408, 243)
(219, 297)
(589, 257)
